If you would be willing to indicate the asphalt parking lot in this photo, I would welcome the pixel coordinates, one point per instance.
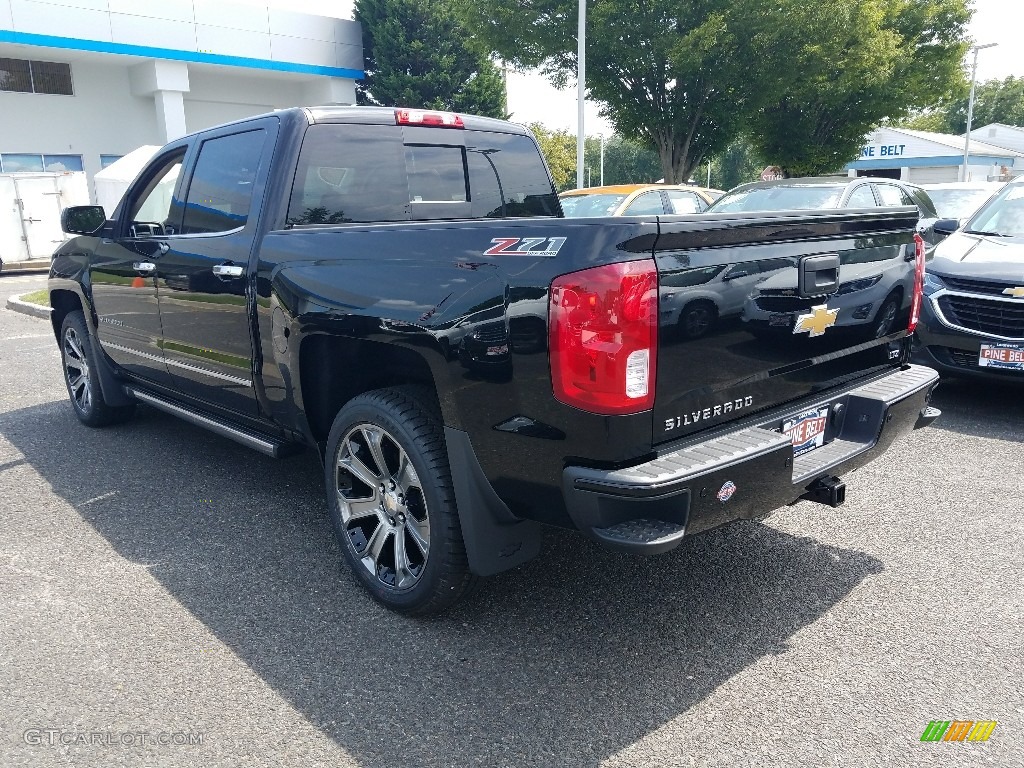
(159, 582)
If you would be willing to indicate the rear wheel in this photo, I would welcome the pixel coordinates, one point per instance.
(391, 502)
(79, 363)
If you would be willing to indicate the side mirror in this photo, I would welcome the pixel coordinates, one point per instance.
(946, 226)
(83, 219)
(734, 275)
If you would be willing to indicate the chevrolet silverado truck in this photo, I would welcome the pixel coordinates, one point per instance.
(398, 290)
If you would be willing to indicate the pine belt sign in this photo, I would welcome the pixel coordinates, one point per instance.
(875, 151)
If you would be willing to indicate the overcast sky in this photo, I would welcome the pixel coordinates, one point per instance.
(531, 98)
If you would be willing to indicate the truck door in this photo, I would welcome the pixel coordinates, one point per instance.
(204, 275)
(123, 270)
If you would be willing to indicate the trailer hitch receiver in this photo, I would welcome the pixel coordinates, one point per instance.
(827, 490)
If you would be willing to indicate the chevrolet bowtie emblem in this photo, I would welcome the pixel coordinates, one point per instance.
(820, 319)
(1016, 293)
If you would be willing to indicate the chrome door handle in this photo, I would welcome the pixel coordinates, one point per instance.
(144, 266)
(227, 270)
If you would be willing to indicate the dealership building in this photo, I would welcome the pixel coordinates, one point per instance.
(923, 157)
(83, 82)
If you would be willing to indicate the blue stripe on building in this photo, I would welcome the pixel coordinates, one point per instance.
(100, 46)
(928, 162)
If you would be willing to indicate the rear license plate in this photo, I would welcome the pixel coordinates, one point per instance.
(1005, 356)
(807, 430)
(780, 320)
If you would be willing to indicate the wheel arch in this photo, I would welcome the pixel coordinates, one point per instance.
(63, 302)
(334, 369)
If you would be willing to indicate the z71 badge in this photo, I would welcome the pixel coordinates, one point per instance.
(525, 246)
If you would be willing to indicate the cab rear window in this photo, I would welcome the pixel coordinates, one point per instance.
(365, 174)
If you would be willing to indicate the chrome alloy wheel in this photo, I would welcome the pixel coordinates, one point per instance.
(886, 320)
(76, 370)
(382, 505)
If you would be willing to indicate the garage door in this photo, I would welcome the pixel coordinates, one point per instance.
(934, 175)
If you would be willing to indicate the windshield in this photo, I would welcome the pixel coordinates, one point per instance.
(958, 203)
(591, 205)
(789, 198)
(1003, 215)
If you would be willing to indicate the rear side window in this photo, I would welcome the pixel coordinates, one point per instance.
(891, 195)
(684, 202)
(360, 173)
(350, 173)
(220, 191)
(649, 203)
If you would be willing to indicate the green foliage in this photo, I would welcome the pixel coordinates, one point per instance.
(995, 101)
(625, 162)
(806, 80)
(559, 150)
(676, 77)
(853, 64)
(739, 163)
(418, 54)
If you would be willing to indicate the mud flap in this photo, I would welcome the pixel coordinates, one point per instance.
(496, 540)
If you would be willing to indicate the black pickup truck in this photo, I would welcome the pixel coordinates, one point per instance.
(398, 289)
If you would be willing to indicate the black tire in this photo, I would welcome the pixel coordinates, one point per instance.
(697, 318)
(78, 359)
(384, 514)
(885, 319)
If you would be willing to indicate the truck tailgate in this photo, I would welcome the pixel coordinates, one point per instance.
(759, 311)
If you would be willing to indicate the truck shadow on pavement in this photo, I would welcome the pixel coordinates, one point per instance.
(565, 661)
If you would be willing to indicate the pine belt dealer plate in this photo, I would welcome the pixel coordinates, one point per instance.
(807, 430)
(1008, 357)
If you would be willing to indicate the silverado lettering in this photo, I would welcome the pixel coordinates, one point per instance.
(284, 282)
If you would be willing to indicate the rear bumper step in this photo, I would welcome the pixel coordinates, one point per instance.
(746, 472)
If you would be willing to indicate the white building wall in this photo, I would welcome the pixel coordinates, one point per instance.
(1006, 136)
(101, 118)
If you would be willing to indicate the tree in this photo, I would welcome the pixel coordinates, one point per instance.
(995, 101)
(559, 150)
(686, 78)
(678, 77)
(868, 61)
(417, 53)
(625, 161)
(739, 163)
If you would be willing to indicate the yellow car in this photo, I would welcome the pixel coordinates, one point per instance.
(637, 200)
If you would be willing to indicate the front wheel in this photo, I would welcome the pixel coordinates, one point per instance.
(79, 363)
(391, 502)
(885, 319)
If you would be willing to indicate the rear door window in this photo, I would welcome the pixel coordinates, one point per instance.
(350, 174)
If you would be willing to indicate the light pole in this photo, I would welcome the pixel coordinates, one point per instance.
(970, 108)
(602, 159)
(581, 89)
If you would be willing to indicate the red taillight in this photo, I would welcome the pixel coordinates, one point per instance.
(425, 117)
(915, 304)
(603, 332)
